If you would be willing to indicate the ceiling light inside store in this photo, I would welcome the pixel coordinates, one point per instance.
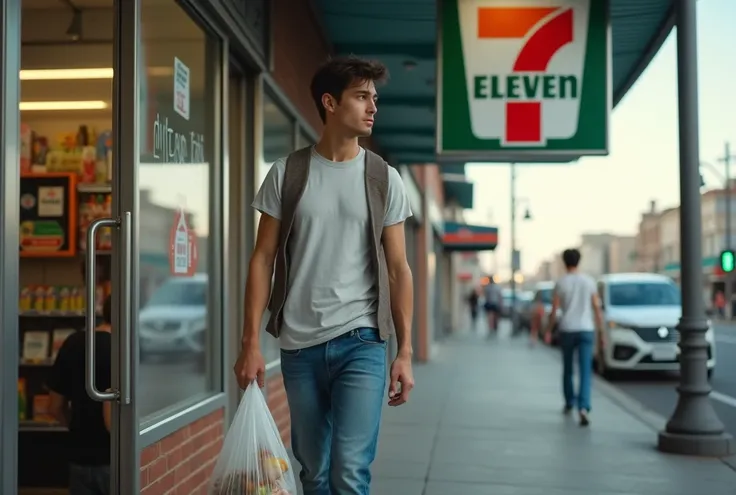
(78, 74)
(61, 74)
(62, 105)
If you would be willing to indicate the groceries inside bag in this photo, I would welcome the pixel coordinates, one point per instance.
(253, 460)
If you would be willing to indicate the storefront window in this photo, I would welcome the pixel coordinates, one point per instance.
(278, 136)
(178, 238)
(278, 141)
(305, 140)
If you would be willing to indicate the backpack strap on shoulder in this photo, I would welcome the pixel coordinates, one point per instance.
(295, 181)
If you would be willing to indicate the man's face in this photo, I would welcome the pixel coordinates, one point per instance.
(357, 109)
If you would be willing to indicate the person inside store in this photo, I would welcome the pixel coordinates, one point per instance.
(88, 420)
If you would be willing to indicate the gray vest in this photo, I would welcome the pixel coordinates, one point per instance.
(376, 190)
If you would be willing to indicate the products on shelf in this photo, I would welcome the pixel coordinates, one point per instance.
(84, 152)
(42, 409)
(92, 207)
(46, 298)
(22, 394)
(35, 346)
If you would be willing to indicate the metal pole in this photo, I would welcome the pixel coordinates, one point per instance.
(513, 248)
(728, 292)
(694, 428)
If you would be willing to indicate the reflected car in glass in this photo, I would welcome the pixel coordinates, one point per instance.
(640, 312)
(174, 320)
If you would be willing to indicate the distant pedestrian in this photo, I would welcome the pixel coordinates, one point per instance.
(576, 295)
(720, 304)
(473, 299)
(493, 302)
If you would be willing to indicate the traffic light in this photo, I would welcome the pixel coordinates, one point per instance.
(728, 261)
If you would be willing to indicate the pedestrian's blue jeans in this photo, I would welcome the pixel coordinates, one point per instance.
(336, 392)
(583, 343)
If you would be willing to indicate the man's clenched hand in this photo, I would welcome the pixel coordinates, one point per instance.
(250, 366)
(402, 381)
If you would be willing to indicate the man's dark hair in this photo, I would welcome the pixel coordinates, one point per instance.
(340, 73)
(107, 311)
(571, 258)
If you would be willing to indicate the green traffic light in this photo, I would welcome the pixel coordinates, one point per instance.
(728, 260)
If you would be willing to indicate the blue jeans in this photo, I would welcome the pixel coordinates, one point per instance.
(89, 480)
(583, 343)
(336, 392)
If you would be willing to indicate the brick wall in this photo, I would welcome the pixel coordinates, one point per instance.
(181, 463)
(430, 176)
(299, 49)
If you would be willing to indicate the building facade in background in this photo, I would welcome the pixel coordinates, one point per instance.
(648, 250)
(622, 254)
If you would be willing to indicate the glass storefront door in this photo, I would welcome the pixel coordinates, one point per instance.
(9, 193)
(166, 188)
(120, 174)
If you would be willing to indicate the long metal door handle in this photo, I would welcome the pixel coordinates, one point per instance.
(91, 282)
(126, 336)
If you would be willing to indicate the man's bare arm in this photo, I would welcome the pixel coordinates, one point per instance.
(595, 301)
(58, 407)
(401, 285)
(260, 274)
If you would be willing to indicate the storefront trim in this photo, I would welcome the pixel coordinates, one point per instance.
(241, 42)
(9, 238)
(152, 433)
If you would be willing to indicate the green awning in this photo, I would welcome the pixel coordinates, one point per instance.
(458, 191)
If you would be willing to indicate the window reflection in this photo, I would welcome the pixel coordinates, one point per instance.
(175, 170)
(278, 142)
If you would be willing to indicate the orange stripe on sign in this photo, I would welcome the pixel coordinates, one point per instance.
(511, 22)
(470, 238)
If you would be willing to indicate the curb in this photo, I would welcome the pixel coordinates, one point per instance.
(650, 418)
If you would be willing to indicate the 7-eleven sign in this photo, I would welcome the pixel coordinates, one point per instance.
(523, 79)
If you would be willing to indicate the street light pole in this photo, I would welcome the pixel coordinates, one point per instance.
(694, 428)
(513, 248)
(728, 292)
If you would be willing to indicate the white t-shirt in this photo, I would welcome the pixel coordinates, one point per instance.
(332, 287)
(575, 292)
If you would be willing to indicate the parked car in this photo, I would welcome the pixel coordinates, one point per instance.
(640, 312)
(174, 320)
(523, 297)
(543, 297)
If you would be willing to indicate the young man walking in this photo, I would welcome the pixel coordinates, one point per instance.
(492, 305)
(576, 295)
(332, 227)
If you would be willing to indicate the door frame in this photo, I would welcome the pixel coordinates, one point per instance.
(10, 12)
(125, 432)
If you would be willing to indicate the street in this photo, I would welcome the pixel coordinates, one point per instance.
(658, 392)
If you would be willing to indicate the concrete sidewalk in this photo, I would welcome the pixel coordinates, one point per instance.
(485, 418)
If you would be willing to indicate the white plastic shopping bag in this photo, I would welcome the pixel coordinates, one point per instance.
(253, 460)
